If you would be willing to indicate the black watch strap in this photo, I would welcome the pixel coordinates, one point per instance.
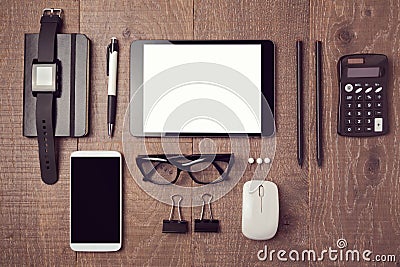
(45, 133)
(50, 24)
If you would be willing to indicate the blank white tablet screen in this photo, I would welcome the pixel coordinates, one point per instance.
(244, 58)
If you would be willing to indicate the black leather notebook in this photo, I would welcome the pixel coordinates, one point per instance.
(71, 118)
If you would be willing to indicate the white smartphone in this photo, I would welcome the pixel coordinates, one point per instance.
(96, 201)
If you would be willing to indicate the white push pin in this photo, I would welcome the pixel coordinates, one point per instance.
(259, 161)
(267, 160)
(250, 160)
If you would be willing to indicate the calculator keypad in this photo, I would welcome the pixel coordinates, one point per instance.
(363, 109)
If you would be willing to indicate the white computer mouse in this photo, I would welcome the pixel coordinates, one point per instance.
(260, 211)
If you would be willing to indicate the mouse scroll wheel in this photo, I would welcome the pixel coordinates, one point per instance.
(261, 191)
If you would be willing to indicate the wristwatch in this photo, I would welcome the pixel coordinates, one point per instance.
(45, 88)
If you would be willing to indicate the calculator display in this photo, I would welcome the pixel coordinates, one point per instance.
(363, 72)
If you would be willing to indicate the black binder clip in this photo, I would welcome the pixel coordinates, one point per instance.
(206, 225)
(175, 226)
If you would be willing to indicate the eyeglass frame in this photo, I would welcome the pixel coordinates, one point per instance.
(164, 158)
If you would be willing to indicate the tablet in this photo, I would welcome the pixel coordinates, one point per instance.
(202, 88)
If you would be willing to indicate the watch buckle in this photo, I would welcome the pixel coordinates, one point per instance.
(52, 12)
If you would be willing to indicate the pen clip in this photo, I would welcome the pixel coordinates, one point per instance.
(108, 58)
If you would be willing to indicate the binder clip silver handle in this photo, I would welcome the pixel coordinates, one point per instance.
(204, 204)
(171, 214)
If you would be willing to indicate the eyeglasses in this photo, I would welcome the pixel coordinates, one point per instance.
(202, 168)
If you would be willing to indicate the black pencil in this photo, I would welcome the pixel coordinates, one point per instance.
(318, 80)
(299, 59)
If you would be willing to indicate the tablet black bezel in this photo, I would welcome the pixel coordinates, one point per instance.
(267, 85)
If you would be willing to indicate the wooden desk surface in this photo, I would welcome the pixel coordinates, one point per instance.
(355, 195)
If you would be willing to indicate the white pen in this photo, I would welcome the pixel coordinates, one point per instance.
(112, 65)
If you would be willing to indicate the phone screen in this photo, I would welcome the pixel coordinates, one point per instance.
(95, 199)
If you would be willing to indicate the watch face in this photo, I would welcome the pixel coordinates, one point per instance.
(44, 77)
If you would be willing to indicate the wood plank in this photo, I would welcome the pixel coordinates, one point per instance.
(355, 194)
(34, 216)
(281, 22)
(143, 242)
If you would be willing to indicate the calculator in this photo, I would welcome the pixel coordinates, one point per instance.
(363, 87)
